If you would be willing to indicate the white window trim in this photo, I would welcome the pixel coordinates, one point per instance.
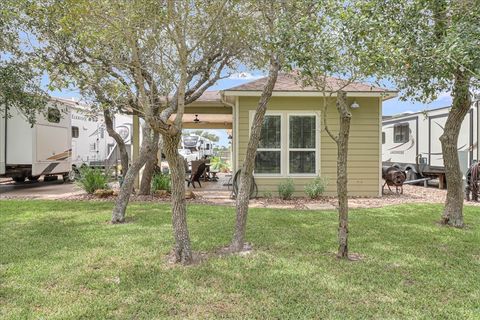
(282, 138)
(285, 143)
(316, 149)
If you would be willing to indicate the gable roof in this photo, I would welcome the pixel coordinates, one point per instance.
(286, 82)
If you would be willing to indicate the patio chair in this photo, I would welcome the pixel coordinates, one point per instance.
(195, 176)
(194, 165)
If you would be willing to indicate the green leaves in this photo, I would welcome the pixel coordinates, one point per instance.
(19, 88)
(426, 42)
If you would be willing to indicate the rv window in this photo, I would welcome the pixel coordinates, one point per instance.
(53, 115)
(401, 133)
(383, 137)
(75, 132)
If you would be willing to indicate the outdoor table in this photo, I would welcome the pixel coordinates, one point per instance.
(214, 175)
(206, 174)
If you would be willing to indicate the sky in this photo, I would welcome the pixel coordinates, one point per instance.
(390, 107)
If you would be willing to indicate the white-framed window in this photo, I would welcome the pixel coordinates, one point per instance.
(289, 144)
(75, 132)
(302, 144)
(401, 132)
(268, 160)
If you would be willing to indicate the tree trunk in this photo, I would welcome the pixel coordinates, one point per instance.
(246, 175)
(342, 177)
(118, 214)
(118, 139)
(149, 169)
(453, 211)
(183, 251)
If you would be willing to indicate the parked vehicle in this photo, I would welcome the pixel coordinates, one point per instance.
(188, 155)
(43, 149)
(91, 144)
(199, 146)
(410, 141)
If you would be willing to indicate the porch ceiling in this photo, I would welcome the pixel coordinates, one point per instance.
(207, 121)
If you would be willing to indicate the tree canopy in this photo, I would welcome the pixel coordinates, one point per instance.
(20, 77)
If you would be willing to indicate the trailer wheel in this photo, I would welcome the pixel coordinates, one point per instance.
(19, 179)
(412, 175)
(33, 178)
(70, 176)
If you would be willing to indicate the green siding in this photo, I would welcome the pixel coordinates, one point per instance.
(364, 147)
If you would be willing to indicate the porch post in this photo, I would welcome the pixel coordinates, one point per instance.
(136, 145)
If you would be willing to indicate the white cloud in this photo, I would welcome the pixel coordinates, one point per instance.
(244, 76)
(445, 95)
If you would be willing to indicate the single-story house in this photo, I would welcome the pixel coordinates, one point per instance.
(294, 144)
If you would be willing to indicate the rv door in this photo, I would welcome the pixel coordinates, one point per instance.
(53, 143)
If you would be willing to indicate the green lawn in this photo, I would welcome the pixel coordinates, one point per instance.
(62, 260)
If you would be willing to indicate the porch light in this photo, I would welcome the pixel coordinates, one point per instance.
(355, 105)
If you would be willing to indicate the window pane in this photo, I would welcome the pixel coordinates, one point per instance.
(302, 132)
(270, 136)
(401, 133)
(267, 162)
(302, 161)
(75, 132)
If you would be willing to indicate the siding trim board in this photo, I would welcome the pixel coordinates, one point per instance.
(236, 134)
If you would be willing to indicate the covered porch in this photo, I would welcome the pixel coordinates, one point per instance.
(210, 112)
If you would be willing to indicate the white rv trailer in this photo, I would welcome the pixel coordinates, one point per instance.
(411, 142)
(43, 149)
(91, 144)
(199, 146)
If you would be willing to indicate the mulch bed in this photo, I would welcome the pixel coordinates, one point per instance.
(411, 194)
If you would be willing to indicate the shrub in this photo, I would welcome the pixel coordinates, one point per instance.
(267, 194)
(216, 163)
(161, 181)
(286, 189)
(92, 179)
(316, 188)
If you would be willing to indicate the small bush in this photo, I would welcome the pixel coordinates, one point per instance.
(286, 189)
(92, 179)
(267, 194)
(316, 188)
(161, 181)
(216, 163)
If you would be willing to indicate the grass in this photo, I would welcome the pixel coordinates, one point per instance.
(61, 260)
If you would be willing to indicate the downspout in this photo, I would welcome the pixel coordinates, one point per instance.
(222, 99)
(6, 121)
(234, 135)
(478, 128)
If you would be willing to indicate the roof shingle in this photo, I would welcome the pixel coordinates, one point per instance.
(288, 82)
